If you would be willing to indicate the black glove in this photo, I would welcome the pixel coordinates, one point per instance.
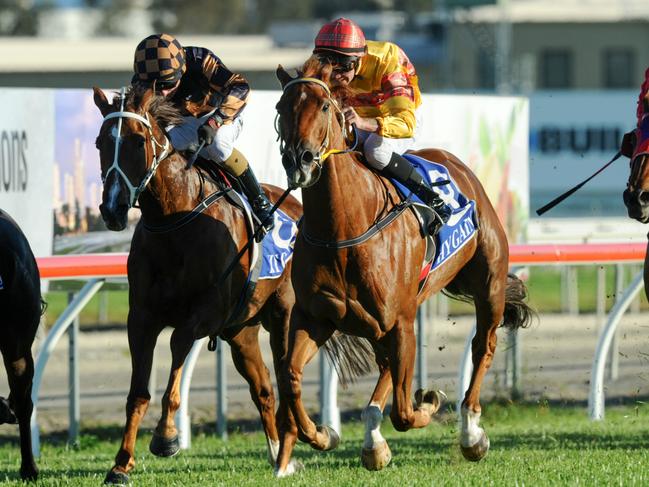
(628, 144)
(206, 133)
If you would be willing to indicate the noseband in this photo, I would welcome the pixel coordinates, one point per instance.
(322, 154)
(134, 192)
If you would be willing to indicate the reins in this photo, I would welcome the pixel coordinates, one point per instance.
(568, 193)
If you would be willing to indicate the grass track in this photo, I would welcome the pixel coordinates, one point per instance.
(530, 445)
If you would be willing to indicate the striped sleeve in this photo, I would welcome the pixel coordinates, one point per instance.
(232, 89)
(398, 93)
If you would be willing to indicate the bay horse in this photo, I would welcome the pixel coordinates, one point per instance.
(636, 194)
(21, 307)
(370, 289)
(187, 235)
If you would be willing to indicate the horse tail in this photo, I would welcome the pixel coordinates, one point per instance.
(518, 314)
(351, 356)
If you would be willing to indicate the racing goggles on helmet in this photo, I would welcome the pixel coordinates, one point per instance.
(341, 64)
(166, 84)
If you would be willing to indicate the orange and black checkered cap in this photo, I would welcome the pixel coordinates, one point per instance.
(159, 57)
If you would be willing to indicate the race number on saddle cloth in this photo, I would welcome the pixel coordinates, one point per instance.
(277, 246)
(461, 226)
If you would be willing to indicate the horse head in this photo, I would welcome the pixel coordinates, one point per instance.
(309, 120)
(131, 146)
(636, 194)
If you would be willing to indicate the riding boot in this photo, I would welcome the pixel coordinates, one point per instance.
(258, 201)
(403, 171)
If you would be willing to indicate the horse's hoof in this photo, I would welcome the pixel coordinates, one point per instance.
(376, 458)
(116, 478)
(164, 447)
(293, 467)
(7, 416)
(478, 451)
(334, 439)
(429, 400)
(29, 473)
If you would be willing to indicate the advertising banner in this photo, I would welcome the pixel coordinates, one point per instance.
(26, 162)
(490, 134)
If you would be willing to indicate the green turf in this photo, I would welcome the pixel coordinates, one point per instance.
(530, 445)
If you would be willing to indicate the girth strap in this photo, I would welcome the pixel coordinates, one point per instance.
(194, 213)
(392, 215)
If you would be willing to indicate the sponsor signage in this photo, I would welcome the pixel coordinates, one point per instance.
(26, 161)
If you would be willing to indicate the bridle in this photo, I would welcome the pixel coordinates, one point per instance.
(135, 191)
(322, 153)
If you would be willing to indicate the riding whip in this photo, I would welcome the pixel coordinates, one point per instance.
(194, 156)
(562, 197)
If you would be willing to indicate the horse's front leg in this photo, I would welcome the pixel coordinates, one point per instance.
(474, 442)
(402, 361)
(20, 373)
(376, 453)
(304, 341)
(164, 442)
(141, 342)
(246, 355)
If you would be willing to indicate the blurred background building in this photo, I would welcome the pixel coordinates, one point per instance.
(513, 46)
(580, 63)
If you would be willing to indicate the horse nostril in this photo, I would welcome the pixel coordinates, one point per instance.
(307, 157)
(643, 197)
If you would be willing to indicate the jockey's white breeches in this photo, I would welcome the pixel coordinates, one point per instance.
(185, 135)
(378, 149)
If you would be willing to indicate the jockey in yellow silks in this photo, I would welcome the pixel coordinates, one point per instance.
(384, 102)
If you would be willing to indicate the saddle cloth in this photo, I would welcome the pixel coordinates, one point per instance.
(461, 226)
(2, 285)
(277, 245)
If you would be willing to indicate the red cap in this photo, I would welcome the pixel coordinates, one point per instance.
(342, 36)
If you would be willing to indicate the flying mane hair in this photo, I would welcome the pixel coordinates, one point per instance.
(161, 108)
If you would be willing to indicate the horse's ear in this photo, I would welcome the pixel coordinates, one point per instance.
(101, 101)
(282, 75)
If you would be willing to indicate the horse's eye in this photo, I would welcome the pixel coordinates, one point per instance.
(325, 106)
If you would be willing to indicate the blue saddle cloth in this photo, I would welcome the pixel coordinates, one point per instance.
(277, 246)
(461, 226)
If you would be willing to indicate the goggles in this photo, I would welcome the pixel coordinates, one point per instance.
(167, 84)
(341, 64)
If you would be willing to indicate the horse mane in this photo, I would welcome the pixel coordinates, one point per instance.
(161, 108)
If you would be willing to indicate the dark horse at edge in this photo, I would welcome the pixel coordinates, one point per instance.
(21, 307)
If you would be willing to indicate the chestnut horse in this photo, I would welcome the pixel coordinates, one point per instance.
(636, 199)
(371, 289)
(177, 267)
(21, 307)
